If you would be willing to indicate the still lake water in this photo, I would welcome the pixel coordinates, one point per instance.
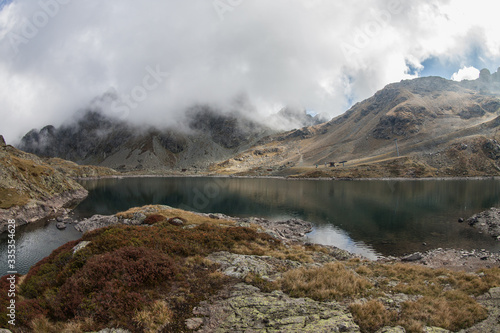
(371, 218)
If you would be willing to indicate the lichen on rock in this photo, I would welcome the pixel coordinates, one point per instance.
(247, 309)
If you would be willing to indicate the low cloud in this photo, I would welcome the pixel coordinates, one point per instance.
(58, 55)
(466, 73)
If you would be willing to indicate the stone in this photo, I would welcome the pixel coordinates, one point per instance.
(194, 323)
(61, 225)
(239, 265)
(80, 246)
(461, 220)
(387, 329)
(4, 330)
(2, 141)
(247, 309)
(96, 222)
(176, 221)
(413, 257)
(428, 329)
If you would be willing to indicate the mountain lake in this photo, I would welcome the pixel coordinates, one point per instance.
(368, 217)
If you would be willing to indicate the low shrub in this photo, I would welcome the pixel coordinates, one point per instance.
(106, 288)
(153, 219)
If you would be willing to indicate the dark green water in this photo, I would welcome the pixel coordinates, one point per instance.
(367, 217)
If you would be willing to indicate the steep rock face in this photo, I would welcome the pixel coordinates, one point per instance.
(31, 189)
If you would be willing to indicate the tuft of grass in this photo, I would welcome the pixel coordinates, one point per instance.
(44, 325)
(154, 317)
(331, 281)
(372, 315)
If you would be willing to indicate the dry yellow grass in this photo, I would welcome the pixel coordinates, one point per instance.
(372, 315)
(155, 317)
(44, 325)
(331, 281)
(445, 300)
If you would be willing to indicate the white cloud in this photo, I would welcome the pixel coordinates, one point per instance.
(323, 55)
(466, 73)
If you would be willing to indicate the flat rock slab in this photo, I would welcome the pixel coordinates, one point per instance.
(247, 309)
(239, 265)
(101, 221)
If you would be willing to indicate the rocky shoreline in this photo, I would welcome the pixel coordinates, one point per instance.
(38, 210)
(487, 222)
(296, 230)
(244, 306)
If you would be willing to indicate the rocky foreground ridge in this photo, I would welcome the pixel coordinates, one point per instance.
(32, 188)
(160, 269)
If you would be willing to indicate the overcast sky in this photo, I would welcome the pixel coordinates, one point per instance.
(159, 57)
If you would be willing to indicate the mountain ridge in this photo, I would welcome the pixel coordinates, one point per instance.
(425, 116)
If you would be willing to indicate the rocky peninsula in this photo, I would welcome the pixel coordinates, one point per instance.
(32, 188)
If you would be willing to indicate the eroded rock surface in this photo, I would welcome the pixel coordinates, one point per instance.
(246, 309)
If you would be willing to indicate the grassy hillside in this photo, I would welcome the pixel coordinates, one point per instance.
(447, 128)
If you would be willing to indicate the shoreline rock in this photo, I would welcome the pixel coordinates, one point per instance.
(487, 221)
(453, 259)
(38, 210)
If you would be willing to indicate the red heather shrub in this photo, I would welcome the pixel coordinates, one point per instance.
(43, 274)
(153, 219)
(108, 284)
(27, 310)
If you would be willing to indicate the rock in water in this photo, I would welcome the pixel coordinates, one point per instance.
(61, 225)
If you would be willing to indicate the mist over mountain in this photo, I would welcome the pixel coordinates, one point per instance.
(160, 58)
(205, 136)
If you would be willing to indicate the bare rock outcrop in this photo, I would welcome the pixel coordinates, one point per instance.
(487, 222)
(246, 309)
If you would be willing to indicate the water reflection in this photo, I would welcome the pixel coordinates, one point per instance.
(366, 217)
(378, 217)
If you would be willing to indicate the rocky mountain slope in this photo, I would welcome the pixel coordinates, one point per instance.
(32, 188)
(96, 139)
(442, 127)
